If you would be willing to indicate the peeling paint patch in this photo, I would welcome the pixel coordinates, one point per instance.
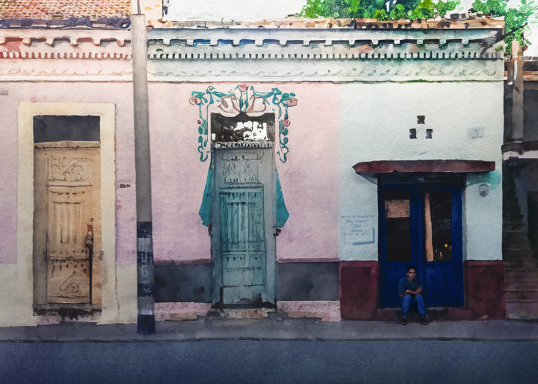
(180, 311)
(326, 310)
(494, 178)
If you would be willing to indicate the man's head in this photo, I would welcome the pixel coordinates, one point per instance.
(411, 273)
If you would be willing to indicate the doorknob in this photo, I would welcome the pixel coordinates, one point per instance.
(89, 237)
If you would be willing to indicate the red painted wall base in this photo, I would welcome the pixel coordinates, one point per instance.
(358, 290)
(483, 288)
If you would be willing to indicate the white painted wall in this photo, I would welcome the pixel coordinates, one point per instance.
(217, 10)
(375, 122)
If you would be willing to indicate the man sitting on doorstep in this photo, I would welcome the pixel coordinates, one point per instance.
(410, 292)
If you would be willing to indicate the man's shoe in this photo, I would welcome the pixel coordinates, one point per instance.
(424, 321)
(404, 321)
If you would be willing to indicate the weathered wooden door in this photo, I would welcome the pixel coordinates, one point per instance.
(67, 222)
(243, 217)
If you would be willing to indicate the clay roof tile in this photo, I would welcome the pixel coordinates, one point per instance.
(46, 9)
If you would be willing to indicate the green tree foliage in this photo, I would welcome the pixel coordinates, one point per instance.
(516, 19)
(378, 9)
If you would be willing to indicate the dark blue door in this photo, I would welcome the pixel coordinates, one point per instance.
(420, 225)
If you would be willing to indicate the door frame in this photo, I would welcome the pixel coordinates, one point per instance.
(26, 295)
(416, 220)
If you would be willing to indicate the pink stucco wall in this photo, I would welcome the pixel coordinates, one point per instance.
(178, 176)
(118, 93)
(309, 178)
(8, 173)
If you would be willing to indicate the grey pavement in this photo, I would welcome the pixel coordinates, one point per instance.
(259, 362)
(278, 329)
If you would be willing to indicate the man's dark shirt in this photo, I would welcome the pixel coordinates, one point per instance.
(405, 284)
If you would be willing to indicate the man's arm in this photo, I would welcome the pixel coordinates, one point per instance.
(408, 291)
(415, 292)
(401, 289)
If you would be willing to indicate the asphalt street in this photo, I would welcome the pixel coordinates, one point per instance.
(246, 361)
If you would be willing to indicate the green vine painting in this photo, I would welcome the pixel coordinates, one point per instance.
(244, 96)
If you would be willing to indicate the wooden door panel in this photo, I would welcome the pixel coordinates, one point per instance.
(68, 199)
(243, 217)
(68, 256)
(242, 244)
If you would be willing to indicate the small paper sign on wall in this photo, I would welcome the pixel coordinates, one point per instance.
(358, 229)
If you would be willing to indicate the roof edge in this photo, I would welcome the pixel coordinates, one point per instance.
(331, 23)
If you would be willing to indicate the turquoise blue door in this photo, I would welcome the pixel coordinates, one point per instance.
(243, 220)
(421, 225)
(242, 246)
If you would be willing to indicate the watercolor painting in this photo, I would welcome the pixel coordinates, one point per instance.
(231, 180)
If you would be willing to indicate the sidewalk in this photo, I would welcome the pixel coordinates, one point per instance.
(279, 328)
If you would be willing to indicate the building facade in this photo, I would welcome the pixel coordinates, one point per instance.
(297, 166)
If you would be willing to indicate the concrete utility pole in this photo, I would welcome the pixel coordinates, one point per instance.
(146, 314)
(517, 95)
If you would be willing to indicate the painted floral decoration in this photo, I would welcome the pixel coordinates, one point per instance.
(245, 96)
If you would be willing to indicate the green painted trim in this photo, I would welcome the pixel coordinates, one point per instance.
(275, 99)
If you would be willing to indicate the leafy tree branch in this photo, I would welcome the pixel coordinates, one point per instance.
(516, 19)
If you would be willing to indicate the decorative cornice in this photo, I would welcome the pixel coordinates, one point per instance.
(306, 37)
(65, 70)
(326, 70)
(325, 55)
(38, 54)
(324, 50)
(47, 44)
(74, 36)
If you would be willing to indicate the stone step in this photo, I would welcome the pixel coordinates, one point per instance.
(522, 309)
(521, 273)
(521, 284)
(521, 294)
(523, 262)
(515, 213)
(512, 215)
(510, 200)
(511, 253)
(521, 245)
(512, 220)
(514, 227)
(511, 210)
(515, 236)
(433, 313)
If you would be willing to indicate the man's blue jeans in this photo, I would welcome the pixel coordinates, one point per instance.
(417, 300)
